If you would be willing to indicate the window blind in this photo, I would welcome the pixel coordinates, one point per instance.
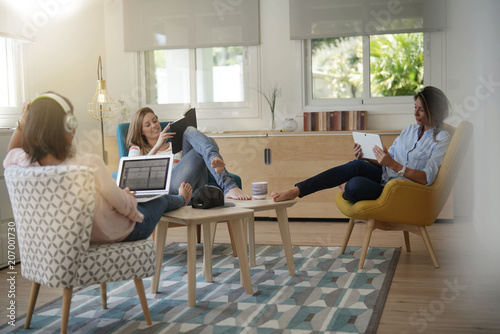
(14, 25)
(338, 18)
(174, 24)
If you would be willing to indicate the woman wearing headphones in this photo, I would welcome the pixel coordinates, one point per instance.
(44, 137)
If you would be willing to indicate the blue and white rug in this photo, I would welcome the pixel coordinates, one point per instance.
(328, 295)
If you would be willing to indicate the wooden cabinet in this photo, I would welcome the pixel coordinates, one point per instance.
(293, 157)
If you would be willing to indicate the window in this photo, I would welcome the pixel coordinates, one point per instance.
(220, 74)
(10, 74)
(337, 67)
(396, 64)
(210, 79)
(358, 69)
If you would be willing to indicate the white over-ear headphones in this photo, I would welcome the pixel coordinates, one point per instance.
(70, 121)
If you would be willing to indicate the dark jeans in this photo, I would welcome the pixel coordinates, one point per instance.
(198, 151)
(152, 211)
(363, 181)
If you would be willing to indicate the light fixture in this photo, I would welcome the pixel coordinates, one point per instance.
(101, 107)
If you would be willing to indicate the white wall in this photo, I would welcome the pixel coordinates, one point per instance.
(473, 66)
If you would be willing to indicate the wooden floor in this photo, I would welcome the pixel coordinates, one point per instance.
(462, 296)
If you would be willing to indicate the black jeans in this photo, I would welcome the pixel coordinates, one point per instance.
(363, 181)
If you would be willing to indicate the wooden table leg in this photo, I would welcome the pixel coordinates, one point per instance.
(251, 242)
(207, 251)
(161, 235)
(285, 238)
(240, 243)
(191, 264)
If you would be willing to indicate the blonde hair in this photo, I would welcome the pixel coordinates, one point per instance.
(436, 107)
(135, 137)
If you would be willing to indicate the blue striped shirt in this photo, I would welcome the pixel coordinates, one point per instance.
(424, 154)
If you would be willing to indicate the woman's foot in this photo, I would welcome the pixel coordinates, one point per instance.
(218, 164)
(342, 187)
(285, 195)
(185, 190)
(237, 193)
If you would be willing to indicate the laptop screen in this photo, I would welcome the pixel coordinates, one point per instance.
(145, 174)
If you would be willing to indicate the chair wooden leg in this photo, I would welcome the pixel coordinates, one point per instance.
(407, 240)
(139, 286)
(347, 235)
(370, 226)
(428, 244)
(67, 294)
(104, 299)
(35, 287)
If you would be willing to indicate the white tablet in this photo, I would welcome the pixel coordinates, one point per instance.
(367, 141)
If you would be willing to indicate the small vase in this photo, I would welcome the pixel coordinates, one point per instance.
(273, 123)
(290, 125)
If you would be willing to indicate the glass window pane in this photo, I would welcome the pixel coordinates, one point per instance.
(167, 76)
(396, 64)
(8, 77)
(337, 67)
(219, 74)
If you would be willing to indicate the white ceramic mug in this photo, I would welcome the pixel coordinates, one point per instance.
(259, 190)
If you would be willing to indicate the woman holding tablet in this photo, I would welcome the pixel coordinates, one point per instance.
(416, 155)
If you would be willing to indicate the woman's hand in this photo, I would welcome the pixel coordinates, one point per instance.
(128, 192)
(163, 137)
(383, 156)
(358, 152)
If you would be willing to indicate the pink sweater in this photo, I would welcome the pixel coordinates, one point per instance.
(115, 212)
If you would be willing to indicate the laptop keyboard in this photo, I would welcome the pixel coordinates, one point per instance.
(145, 196)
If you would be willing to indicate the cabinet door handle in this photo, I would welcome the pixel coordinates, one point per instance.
(267, 156)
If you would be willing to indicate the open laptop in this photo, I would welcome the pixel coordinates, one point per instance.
(149, 175)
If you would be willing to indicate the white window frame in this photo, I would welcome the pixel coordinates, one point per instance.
(210, 110)
(323, 104)
(8, 115)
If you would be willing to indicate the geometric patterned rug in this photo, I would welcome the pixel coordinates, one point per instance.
(328, 295)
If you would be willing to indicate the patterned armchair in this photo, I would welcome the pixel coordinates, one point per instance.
(53, 208)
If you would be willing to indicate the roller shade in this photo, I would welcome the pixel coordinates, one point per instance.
(181, 24)
(338, 18)
(14, 25)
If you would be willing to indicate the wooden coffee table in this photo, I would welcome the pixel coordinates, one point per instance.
(235, 216)
(281, 213)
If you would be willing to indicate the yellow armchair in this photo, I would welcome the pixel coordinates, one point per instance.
(409, 206)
